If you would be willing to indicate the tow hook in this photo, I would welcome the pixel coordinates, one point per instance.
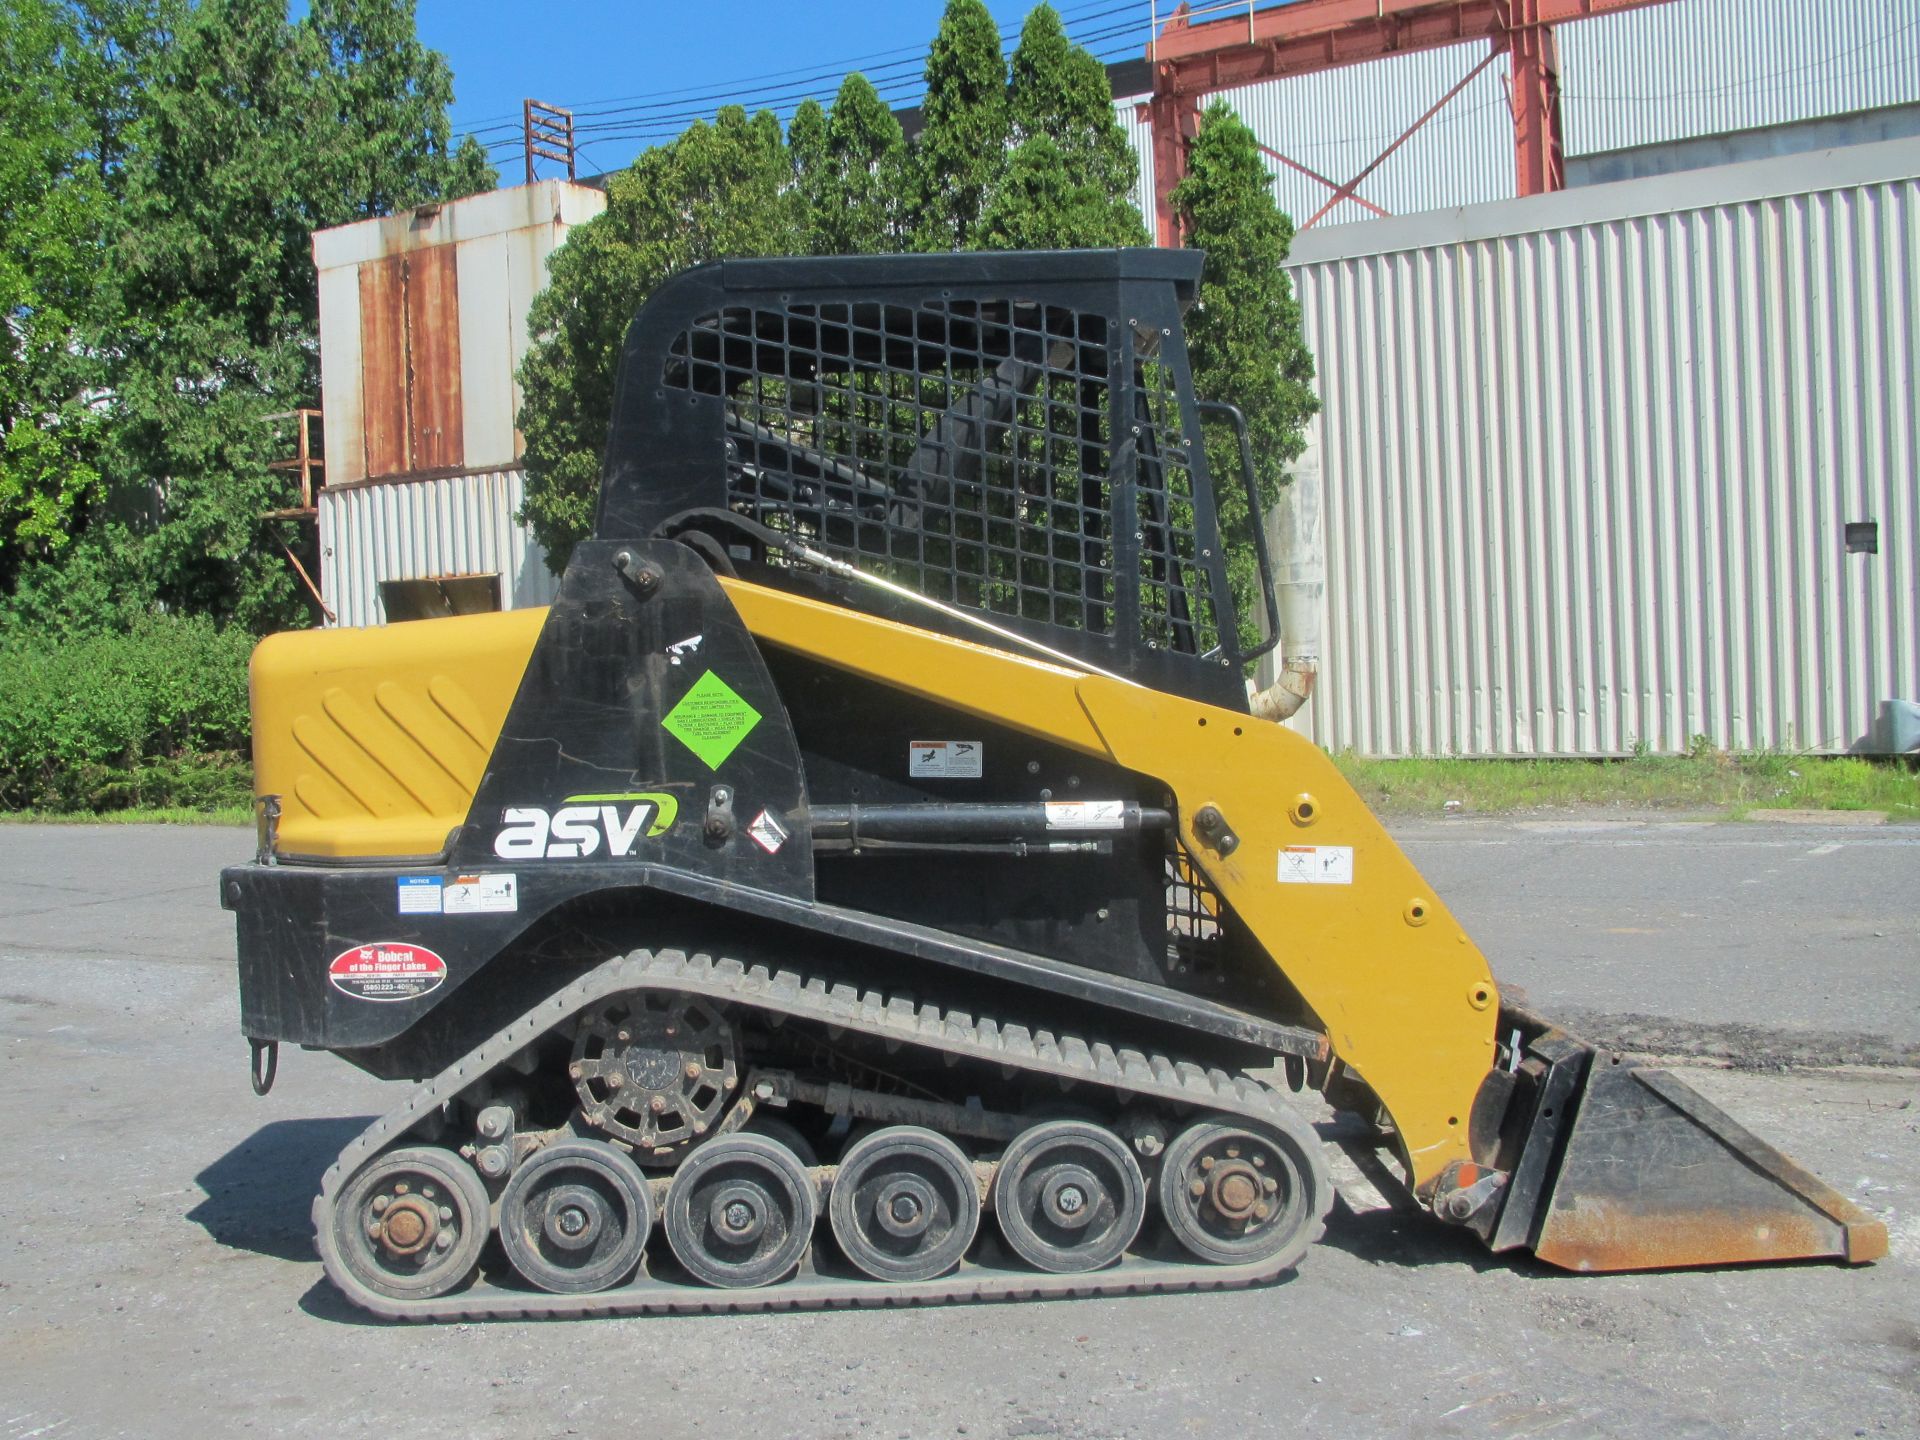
(264, 1065)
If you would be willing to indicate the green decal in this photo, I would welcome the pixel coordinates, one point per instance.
(666, 807)
(711, 720)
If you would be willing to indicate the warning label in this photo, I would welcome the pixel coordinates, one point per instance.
(767, 832)
(711, 720)
(1316, 865)
(388, 970)
(945, 759)
(482, 895)
(1086, 815)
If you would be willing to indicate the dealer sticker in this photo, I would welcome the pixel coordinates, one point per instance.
(387, 970)
(482, 895)
(945, 759)
(1316, 865)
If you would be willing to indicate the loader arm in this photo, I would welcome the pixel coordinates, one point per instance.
(1406, 997)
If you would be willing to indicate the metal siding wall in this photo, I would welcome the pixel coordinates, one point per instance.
(1140, 137)
(344, 431)
(1670, 72)
(463, 525)
(1337, 121)
(486, 342)
(1585, 486)
(1699, 67)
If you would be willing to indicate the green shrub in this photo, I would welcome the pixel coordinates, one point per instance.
(157, 716)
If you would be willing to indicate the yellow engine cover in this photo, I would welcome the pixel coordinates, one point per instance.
(375, 740)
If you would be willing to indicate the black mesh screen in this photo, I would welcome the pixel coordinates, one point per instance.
(1196, 918)
(965, 449)
(1176, 610)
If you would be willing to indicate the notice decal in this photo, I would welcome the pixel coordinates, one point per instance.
(387, 970)
(945, 759)
(419, 894)
(1316, 865)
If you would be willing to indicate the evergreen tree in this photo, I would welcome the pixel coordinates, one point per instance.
(1059, 94)
(961, 148)
(1244, 336)
(718, 190)
(387, 95)
(1042, 204)
(868, 156)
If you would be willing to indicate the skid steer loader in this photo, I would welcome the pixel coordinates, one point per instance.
(867, 882)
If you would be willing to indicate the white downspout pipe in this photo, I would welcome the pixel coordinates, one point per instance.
(1298, 546)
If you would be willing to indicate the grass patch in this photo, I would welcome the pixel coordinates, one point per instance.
(1717, 782)
(148, 815)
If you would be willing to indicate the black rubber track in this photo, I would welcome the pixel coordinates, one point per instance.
(1125, 1072)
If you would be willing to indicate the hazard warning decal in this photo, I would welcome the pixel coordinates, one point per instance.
(387, 970)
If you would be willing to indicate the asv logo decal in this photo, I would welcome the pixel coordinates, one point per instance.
(576, 831)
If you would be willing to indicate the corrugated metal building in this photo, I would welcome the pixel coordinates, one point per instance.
(423, 323)
(1594, 464)
(1665, 74)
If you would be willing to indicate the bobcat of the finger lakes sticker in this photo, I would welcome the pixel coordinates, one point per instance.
(387, 970)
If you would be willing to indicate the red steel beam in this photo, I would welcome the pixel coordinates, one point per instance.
(1191, 59)
(1534, 91)
(1174, 119)
(1311, 35)
(1345, 191)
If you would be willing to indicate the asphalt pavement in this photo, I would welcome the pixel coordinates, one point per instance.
(157, 1275)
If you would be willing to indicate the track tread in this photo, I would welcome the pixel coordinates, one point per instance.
(843, 1007)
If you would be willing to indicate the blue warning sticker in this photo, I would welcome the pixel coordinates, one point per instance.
(420, 894)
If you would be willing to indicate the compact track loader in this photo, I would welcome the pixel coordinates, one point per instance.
(868, 883)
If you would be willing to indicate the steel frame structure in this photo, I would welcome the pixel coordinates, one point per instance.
(547, 132)
(1193, 58)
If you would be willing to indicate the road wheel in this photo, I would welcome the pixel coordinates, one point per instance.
(740, 1212)
(905, 1204)
(410, 1226)
(1069, 1196)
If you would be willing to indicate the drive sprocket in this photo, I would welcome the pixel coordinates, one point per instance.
(655, 1070)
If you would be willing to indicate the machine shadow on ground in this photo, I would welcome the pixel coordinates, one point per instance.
(1407, 1238)
(259, 1194)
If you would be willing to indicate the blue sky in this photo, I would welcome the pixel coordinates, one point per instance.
(649, 66)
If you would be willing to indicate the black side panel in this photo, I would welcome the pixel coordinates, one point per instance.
(294, 920)
(1104, 910)
(644, 683)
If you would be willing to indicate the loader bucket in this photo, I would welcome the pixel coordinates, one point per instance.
(1623, 1167)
